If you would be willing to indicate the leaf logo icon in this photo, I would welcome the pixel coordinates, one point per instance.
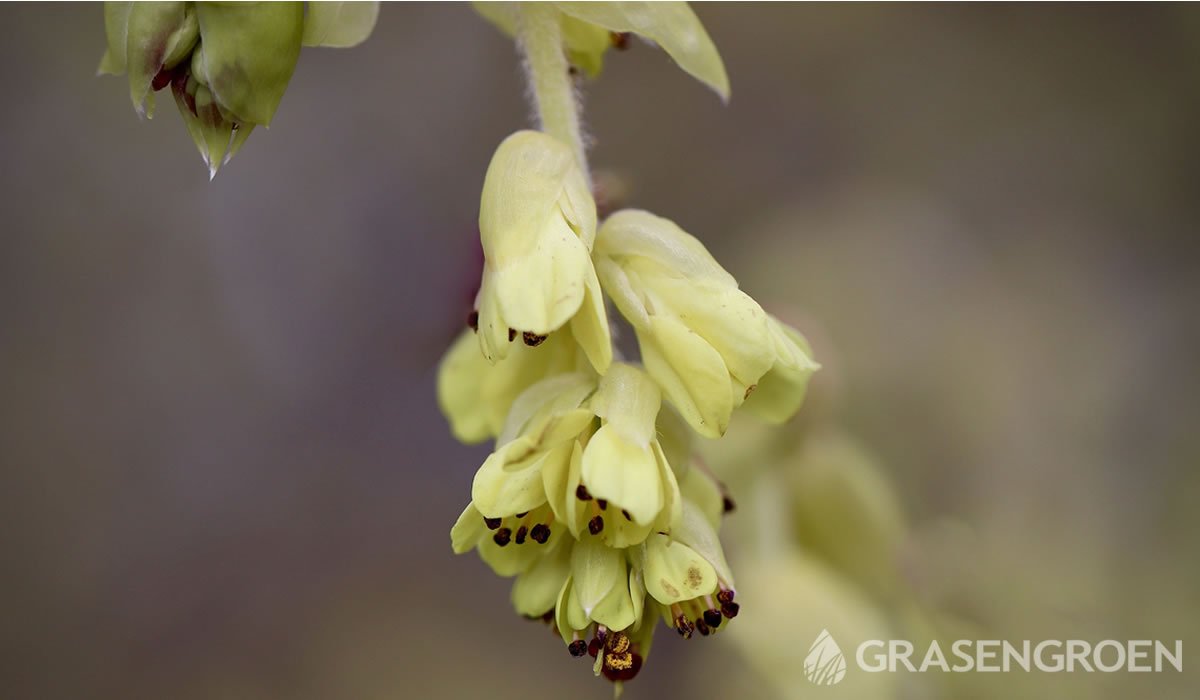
(824, 664)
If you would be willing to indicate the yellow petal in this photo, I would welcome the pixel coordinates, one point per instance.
(616, 611)
(696, 532)
(460, 380)
(728, 320)
(595, 569)
(638, 234)
(540, 291)
(675, 440)
(536, 590)
(467, 531)
(691, 373)
(511, 559)
(510, 480)
(531, 411)
(590, 325)
(623, 473)
(493, 331)
(560, 480)
(675, 572)
(629, 401)
(672, 500)
(704, 494)
(781, 391)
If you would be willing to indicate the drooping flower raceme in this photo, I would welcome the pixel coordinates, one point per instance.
(591, 499)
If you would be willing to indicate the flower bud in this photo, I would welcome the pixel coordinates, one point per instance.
(144, 38)
(228, 63)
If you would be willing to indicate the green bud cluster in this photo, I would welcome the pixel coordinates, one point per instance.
(593, 499)
(227, 64)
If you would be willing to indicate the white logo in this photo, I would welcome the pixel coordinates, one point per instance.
(824, 664)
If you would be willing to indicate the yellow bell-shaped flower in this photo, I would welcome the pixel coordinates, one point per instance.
(537, 222)
(704, 341)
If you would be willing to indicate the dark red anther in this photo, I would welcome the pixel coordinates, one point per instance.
(502, 536)
(730, 610)
(596, 525)
(521, 533)
(161, 79)
(492, 523)
(533, 339)
(473, 321)
(582, 494)
(578, 648)
(540, 533)
(620, 40)
(713, 618)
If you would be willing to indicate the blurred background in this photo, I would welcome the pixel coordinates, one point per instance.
(223, 473)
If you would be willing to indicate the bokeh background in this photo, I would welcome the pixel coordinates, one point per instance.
(222, 470)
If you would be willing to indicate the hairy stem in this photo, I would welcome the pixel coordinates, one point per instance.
(540, 35)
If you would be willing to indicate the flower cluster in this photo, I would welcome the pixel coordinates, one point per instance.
(227, 63)
(591, 498)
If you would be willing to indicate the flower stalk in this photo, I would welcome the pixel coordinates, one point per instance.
(540, 36)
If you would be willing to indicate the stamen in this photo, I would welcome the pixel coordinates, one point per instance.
(702, 628)
(684, 626)
(626, 514)
(582, 494)
(540, 533)
(593, 647)
(730, 610)
(578, 648)
(725, 595)
(473, 321)
(595, 525)
(631, 662)
(620, 40)
(728, 505)
(522, 515)
(161, 80)
(533, 339)
(501, 536)
(521, 532)
(617, 642)
(492, 523)
(512, 333)
(602, 503)
(713, 618)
